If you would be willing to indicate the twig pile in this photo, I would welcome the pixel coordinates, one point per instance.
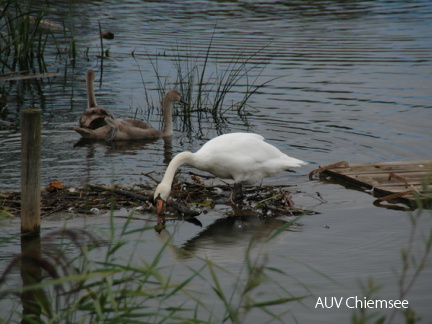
(188, 200)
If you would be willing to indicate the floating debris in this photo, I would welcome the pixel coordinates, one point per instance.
(107, 35)
(95, 210)
(407, 182)
(54, 186)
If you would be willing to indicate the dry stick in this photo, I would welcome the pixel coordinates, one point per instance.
(149, 176)
(182, 209)
(121, 192)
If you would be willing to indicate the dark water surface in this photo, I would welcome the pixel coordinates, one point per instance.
(343, 81)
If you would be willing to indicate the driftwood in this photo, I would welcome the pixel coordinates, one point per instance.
(407, 182)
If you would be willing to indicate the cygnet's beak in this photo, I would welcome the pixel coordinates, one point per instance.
(183, 102)
(160, 205)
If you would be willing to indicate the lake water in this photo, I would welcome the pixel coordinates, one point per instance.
(341, 81)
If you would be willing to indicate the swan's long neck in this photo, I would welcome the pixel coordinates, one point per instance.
(167, 129)
(176, 162)
(91, 98)
(164, 188)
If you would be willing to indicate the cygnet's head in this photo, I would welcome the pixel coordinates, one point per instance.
(174, 95)
(90, 75)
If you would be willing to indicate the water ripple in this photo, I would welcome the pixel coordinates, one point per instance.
(349, 80)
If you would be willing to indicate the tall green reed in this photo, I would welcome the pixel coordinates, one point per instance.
(21, 43)
(212, 85)
(98, 285)
(24, 35)
(208, 82)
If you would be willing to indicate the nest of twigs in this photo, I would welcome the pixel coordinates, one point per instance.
(188, 199)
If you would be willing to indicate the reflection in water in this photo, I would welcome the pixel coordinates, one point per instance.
(19, 95)
(130, 147)
(31, 274)
(49, 257)
(227, 238)
(114, 148)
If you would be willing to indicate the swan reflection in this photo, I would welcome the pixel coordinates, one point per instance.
(228, 238)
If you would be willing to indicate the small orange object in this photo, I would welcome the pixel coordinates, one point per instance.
(54, 185)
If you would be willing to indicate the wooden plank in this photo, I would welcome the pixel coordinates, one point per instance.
(394, 164)
(388, 169)
(367, 171)
(383, 179)
(401, 179)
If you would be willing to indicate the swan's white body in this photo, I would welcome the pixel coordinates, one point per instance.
(243, 157)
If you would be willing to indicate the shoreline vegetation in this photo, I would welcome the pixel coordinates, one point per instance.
(25, 35)
(82, 290)
(72, 285)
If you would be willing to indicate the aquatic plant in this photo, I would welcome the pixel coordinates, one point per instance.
(24, 35)
(98, 286)
(209, 83)
(87, 280)
(21, 43)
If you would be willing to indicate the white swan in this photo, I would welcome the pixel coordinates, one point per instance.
(243, 157)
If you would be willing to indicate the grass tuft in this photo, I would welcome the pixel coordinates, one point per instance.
(82, 289)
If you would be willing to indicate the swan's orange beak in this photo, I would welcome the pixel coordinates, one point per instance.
(160, 205)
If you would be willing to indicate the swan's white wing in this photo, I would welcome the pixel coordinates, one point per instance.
(244, 157)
